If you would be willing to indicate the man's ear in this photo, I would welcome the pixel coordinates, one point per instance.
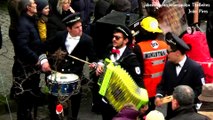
(126, 40)
(176, 103)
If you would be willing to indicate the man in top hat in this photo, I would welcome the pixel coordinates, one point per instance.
(73, 42)
(121, 54)
(179, 70)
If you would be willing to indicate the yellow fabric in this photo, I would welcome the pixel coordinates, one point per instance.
(42, 29)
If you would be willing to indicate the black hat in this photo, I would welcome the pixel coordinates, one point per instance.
(71, 19)
(176, 42)
(41, 4)
(126, 32)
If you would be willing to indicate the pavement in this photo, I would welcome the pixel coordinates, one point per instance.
(7, 106)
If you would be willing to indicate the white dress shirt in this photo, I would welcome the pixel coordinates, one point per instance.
(181, 63)
(117, 57)
(71, 42)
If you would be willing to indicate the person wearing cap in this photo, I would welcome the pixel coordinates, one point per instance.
(29, 59)
(179, 70)
(121, 54)
(43, 12)
(182, 104)
(151, 52)
(206, 98)
(73, 42)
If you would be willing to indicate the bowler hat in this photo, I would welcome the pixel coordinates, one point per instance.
(175, 41)
(72, 18)
(207, 93)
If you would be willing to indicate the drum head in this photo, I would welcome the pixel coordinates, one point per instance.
(63, 78)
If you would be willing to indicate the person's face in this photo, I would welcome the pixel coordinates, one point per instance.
(172, 55)
(118, 40)
(32, 7)
(46, 10)
(76, 29)
(66, 5)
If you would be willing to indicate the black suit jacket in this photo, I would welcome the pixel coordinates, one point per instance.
(191, 74)
(82, 50)
(129, 62)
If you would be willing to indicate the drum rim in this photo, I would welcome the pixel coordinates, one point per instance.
(64, 82)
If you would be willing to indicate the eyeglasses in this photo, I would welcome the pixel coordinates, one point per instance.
(116, 37)
(169, 51)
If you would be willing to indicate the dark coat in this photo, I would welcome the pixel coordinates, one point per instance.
(129, 62)
(191, 74)
(54, 25)
(28, 44)
(83, 50)
(187, 113)
(85, 7)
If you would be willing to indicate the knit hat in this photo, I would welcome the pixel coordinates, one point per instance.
(41, 4)
(22, 6)
(155, 115)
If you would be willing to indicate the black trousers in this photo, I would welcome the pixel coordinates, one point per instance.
(25, 89)
(107, 111)
(72, 110)
(151, 104)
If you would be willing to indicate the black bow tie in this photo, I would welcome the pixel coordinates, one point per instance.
(177, 65)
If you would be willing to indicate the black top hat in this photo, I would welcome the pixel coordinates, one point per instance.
(175, 42)
(71, 19)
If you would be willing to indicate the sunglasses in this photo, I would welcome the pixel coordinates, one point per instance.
(169, 51)
(116, 37)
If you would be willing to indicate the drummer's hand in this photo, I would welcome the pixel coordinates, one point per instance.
(99, 70)
(158, 101)
(93, 65)
(45, 67)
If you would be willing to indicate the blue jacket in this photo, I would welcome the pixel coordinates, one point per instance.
(28, 44)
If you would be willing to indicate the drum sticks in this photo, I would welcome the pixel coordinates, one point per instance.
(79, 59)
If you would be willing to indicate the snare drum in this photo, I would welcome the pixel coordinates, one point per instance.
(63, 84)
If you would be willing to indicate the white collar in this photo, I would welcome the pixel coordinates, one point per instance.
(181, 63)
(121, 50)
(73, 38)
